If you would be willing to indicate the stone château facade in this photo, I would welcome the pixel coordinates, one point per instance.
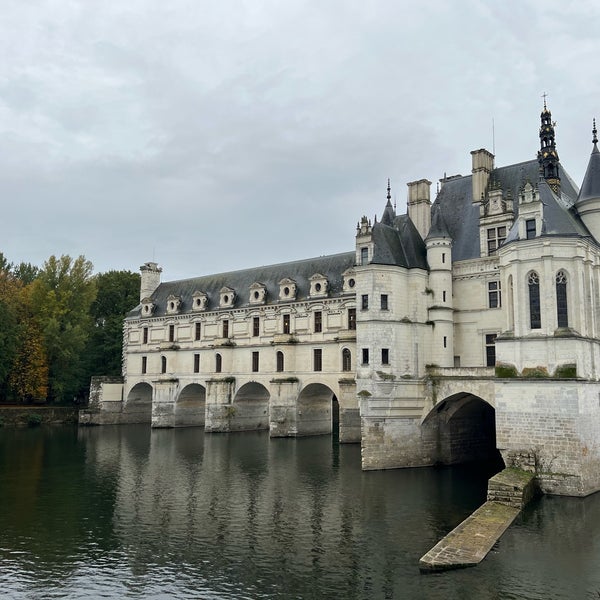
(469, 325)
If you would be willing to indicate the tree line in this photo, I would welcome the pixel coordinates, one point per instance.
(59, 325)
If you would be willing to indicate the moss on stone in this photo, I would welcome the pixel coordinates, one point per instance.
(566, 371)
(538, 372)
(506, 371)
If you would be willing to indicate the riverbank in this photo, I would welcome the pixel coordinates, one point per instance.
(32, 415)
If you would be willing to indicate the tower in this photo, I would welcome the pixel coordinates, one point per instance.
(588, 201)
(547, 155)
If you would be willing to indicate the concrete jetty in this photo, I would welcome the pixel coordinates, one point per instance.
(469, 543)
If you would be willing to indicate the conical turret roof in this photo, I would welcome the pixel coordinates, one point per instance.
(590, 188)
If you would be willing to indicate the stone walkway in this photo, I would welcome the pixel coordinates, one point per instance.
(468, 544)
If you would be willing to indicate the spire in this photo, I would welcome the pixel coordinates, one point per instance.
(590, 188)
(547, 155)
(389, 214)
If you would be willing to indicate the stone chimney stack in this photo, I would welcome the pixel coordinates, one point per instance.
(150, 279)
(483, 165)
(419, 205)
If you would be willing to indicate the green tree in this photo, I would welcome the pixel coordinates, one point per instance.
(26, 272)
(117, 294)
(61, 297)
(9, 327)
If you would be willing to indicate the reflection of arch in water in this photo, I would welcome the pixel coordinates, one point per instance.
(138, 406)
(190, 406)
(463, 429)
(250, 410)
(318, 410)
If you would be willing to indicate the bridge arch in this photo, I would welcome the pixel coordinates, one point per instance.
(250, 409)
(138, 405)
(318, 410)
(190, 406)
(462, 428)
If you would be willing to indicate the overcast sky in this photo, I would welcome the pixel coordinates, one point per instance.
(218, 135)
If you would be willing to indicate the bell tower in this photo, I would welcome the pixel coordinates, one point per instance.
(547, 155)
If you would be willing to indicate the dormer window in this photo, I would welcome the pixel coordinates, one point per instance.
(173, 304)
(287, 289)
(349, 281)
(227, 297)
(199, 301)
(318, 285)
(258, 293)
(147, 307)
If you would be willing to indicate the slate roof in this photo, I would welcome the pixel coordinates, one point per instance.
(398, 244)
(300, 271)
(590, 188)
(461, 216)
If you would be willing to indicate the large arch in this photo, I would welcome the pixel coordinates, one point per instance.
(461, 428)
(318, 410)
(190, 406)
(138, 406)
(250, 410)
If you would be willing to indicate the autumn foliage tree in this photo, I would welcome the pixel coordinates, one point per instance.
(61, 296)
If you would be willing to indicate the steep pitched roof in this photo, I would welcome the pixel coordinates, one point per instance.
(399, 244)
(461, 216)
(590, 188)
(331, 267)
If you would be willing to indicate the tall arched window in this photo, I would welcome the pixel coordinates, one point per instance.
(218, 363)
(535, 318)
(163, 364)
(346, 360)
(280, 363)
(561, 299)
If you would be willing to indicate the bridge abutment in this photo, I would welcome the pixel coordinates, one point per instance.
(219, 404)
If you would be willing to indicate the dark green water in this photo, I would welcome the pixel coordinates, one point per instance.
(133, 513)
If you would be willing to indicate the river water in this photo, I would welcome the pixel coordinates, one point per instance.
(126, 512)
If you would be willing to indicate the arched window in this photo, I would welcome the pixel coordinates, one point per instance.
(163, 364)
(346, 360)
(535, 318)
(561, 299)
(280, 364)
(218, 363)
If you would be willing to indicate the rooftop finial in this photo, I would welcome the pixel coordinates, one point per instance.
(595, 134)
(389, 189)
(544, 95)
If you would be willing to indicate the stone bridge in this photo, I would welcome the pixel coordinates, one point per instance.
(287, 407)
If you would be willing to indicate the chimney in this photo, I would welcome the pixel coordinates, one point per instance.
(150, 279)
(483, 165)
(419, 205)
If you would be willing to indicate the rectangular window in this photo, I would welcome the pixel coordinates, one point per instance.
(144, 364)
(145, 334)
(255, 326)
(490, 349)
(352, 318)
(384, 301)
(495, 238)
(364, 302)
(494, 294)
(226, 328)
(255, 362)
(385, 356)
(318, 359)
(318, 321)
(444, 296)
(364, 256)
(286, 323)
(445, 342)
(365, 356)
(530, 229)
(171, 333)
(197, 331)
(196, 363)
